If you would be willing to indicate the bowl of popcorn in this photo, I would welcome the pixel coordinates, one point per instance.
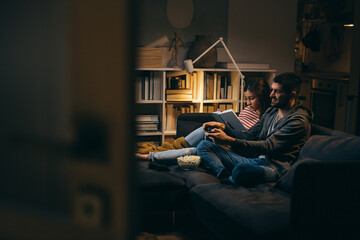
(189, 161)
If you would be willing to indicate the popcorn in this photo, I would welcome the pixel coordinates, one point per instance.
(189, 161)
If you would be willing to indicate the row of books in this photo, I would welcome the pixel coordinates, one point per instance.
(148, 86)
(147, 123)
(179, 86)
(150, 123)
(178, 80)
(179, 94)
(217, 86)
(172, 112)
(209, 108)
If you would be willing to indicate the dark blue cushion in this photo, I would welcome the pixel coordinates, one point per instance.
(329, 148)
(188, 122)
(193, 177)
(322, 148)
(285, 183)
(236, 212)
(160, 190)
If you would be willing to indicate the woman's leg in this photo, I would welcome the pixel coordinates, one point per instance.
(195, 137)
(170, 157)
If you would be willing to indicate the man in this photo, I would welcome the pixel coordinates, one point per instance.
(264, 152)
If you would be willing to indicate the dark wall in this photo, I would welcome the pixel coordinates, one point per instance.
(34, 68)
(210, 17)
(33, 101)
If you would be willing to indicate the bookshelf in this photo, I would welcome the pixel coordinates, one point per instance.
(168, 92)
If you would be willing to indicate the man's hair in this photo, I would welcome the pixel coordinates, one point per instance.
(289, 82)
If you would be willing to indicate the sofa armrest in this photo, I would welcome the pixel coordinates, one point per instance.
(326, 200)
(320, 130)
(187, 122)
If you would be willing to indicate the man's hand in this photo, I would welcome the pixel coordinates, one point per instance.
(219, 137)
(214, 125)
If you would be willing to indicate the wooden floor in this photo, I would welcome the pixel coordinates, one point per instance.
(163, 236)
(186, 227)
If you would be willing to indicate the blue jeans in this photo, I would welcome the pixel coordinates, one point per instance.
(239, 170)
(170, 157)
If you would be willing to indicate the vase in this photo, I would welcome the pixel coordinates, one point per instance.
(200, 45)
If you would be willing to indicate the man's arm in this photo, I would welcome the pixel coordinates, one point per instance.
(227, 135)
(250, 134)
(294, 130)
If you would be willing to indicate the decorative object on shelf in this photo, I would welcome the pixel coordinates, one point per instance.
(175, 46)
(200, 45)
(149, 57)
(189, 65)
(180, 14)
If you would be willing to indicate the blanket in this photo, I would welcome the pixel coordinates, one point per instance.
(178, 143)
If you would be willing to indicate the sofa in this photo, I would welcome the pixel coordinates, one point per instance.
(318, 198)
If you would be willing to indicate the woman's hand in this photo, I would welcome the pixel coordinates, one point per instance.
(214, 125)
(219, 137)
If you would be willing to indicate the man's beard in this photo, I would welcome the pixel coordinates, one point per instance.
(282, 103)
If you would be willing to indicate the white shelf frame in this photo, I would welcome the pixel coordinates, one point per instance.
(237, 100)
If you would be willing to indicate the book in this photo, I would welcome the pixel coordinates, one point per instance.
(195, 85)
(151, 86)
(211, 108)
(170, 117)
(179, 91)
(218, 86)
(179, 97)
(147, 127)
(205, 108)
(229, 92)
(222, 107)
(210, 87)
(157, 86)
(138, 89)
(147, 118)
(243, 66)
(229, 118)
(146, 87)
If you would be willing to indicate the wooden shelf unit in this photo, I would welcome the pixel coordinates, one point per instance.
(199, 101)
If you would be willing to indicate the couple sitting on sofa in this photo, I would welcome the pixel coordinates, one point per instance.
(266, 150)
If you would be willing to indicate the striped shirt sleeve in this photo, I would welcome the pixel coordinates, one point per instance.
(248, 117)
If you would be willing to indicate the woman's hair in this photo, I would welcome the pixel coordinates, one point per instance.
(261, 89)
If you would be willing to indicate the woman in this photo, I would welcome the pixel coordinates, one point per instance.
(257, 93)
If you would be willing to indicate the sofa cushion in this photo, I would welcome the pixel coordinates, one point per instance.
(320, 130)
(160, 190)
(188, 122)
(194, 177)
(285, 183)
(329, 148)
(255, 213)
(322, 148)
(153, 180)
